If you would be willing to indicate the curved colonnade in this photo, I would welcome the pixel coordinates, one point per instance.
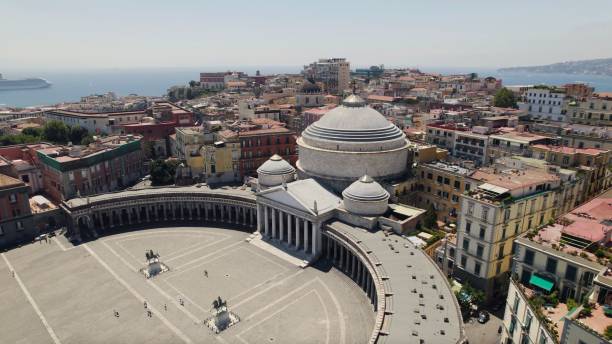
(154, 207)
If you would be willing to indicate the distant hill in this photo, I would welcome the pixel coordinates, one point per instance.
(584, 67)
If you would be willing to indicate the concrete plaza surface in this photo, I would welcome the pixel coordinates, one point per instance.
(61, 293)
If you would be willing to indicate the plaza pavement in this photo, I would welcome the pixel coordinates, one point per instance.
(67, 294)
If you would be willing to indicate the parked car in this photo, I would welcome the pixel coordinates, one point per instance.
(483, 317)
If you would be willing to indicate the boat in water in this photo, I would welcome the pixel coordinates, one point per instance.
(23, 84)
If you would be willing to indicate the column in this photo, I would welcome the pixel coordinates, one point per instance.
(306, 238)
(315, 238)
(353, 258)
(290, 229)
(266, 220)
(281, 221)
(120, 217)
(259, 228)
(252, 221)
(165, 211)
(206, 212)
(147, 210)
(273, 213)
(297, 230)
(298, 233)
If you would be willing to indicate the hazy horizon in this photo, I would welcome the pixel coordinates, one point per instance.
(72, 34)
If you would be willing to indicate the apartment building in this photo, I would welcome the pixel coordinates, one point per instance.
(333, 73)
(592, 164)
(506, 204)
(441, 184)
(595, 110)
(460, 141)
(221, 158)
(16, 223)
(512, 143)
(111, 163)
(555, 273)
(545, 103)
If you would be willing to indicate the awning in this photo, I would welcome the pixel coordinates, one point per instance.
(541, 282)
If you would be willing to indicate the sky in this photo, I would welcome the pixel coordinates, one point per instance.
(73, 34)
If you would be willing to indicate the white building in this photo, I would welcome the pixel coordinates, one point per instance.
(544, 103)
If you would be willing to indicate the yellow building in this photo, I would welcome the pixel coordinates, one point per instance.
(220, 160)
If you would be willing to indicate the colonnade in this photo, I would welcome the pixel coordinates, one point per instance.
(345, 260)
(291, 230)
(118, 214)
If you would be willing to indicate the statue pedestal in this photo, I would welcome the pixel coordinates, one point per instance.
(154, 268)
(222, 320)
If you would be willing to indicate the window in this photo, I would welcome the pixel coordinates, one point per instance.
(429, 176)
(528, 321)
(498, 268)
(516, 302)
(470, 209)
(570, 273)
(13, 198)
(528, 257)
(468, 226)
(467, 186)
(439, 179)
(19, 226)
(542, 337)
(463, 261)
(485, 213)
(483, 229)
(477, 269)
(457, 184)
(551, 265)
(506, 214)
(466, 244)
(446, 181)
(504, 232)
(479, 251)
(500, 254)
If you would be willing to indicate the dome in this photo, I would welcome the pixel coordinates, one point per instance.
(365, 197)
(353, 121)
(365, 189)
(275, 166)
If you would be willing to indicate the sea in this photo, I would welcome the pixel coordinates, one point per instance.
(70, 85)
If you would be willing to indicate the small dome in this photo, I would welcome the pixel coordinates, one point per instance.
(365, 189)
(365, 197)
(275, 166)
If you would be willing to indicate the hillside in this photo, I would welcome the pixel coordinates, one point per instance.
(583, 67)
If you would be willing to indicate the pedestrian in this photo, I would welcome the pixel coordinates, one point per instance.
(181, 302)
(165, 307)
(145, 304)
(206, 273)
(13, 273)
(116, 313)
(149, 314)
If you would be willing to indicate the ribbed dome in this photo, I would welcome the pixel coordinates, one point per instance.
(275, 166)
(365, 189)
(353, 121)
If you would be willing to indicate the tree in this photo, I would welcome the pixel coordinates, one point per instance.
(430, 219)
(504, 98)
(77, 134)
(56, 131)
(37, 132)
(192, 83)
(163, 172)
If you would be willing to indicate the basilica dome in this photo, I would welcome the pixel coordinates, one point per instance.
(347, 141)
(365, 197)
(353, 122)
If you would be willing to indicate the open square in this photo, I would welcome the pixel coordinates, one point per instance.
(66, 294)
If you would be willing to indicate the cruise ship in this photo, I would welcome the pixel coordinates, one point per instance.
(22, 84)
